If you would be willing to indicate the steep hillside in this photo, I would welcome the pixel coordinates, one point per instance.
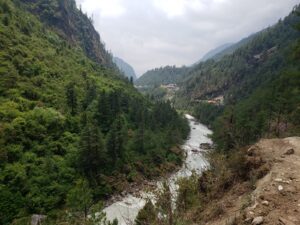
(257, 185)
(164, 75)
(125, 68)
(72, 25)
(260, 86)
(231, 49)
(236, 75)
(72, 129)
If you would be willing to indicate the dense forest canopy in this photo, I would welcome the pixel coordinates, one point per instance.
(74, 131)
(69, 121)
(164, 75)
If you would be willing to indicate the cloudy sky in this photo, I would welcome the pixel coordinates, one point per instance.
(154, 33)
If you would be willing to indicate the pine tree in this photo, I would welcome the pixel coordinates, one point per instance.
(93, 155)
(103, 114)
(131, 80)
(147, 215)
(116, 139)
(71, 97)
(79, 198)
(90, 95)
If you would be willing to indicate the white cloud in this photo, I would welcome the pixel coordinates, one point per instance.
(171, 8)
(174, 8)
(106, 8)
(153, 33)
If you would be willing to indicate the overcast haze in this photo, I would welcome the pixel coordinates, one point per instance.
(154, 33)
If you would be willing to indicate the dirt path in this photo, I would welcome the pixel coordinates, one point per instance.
(276, 199)
(277, 195)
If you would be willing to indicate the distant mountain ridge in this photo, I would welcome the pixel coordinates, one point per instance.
(173, 74)
(215, 51)
(232, 47)
(238, 70)
(163, 75)
(125, 68)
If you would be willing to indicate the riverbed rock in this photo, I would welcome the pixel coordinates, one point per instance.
(258, 220)
(206, 146)
(195, 151)
(37, 219)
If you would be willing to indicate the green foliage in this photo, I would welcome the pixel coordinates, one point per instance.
(147, 215)
(79, 198)
(66, 115)
(206, 113)
(165, 75)
(71, 97)
(260, 84)
(272, 109)
(9, 203)
(237, 75)
(187, 194)
(92, 151)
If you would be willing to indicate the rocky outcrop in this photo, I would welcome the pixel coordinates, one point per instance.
(73, 25)
(37, 219)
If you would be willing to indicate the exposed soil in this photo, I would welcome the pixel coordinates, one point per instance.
(276, 198)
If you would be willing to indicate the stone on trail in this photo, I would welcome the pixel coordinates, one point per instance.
(266, 203)
(290, 151)
(258, 220)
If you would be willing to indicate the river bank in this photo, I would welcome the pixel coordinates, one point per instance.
(126, 207)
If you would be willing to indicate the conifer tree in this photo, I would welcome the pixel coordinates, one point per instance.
(71, 97)
(93, 155)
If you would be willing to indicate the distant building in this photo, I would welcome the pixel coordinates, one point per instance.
(170, 87)
(214, 101)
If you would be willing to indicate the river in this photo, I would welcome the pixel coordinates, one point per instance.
(127, 209)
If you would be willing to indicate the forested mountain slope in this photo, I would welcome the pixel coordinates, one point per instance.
(164, 75)
(260, 85)
(236, 75)
(173, 74)
(72, 129)
(230, 49)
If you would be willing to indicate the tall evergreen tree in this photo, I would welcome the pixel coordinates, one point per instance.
(116, 139)
(103, 114)
(71, 97)
(79, 198)
(93, 155)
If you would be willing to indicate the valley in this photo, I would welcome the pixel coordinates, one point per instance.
(85, 141)
(127, 209)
